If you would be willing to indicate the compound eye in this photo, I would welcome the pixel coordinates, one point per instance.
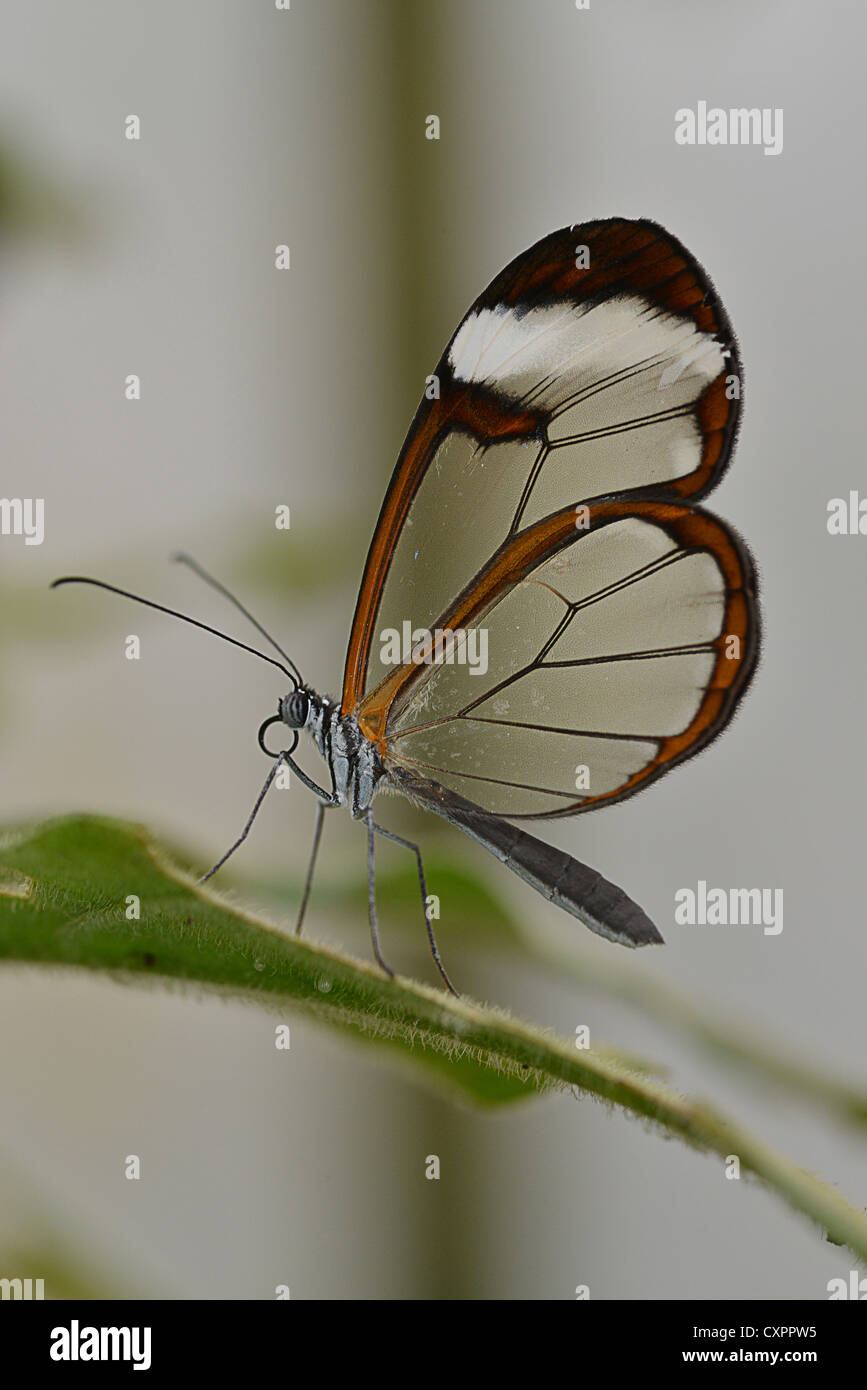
(296, 709)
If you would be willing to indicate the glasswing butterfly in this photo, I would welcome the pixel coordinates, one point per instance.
(546, 498)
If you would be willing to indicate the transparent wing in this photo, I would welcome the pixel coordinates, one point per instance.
(547, 621)
(600, 362)
(592, 662)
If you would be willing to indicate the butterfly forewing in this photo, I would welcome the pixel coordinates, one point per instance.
(543, 510)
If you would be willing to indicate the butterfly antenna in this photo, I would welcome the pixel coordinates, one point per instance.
(184, 618)
(194, 565)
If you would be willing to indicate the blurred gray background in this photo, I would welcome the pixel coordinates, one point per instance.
(258, 388)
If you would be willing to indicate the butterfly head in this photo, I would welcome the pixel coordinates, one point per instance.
(293, 711)
(295, 708)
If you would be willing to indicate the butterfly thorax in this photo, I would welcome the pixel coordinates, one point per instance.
(355, 766)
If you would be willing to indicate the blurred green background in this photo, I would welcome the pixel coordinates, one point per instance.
(259, 388)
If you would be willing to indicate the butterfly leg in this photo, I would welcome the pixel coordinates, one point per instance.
(324, 801)
(327, 798)
(245, 832)
(321, 808)
(408, 844)
(371, 895)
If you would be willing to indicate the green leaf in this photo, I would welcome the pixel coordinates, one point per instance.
(66, 888)
(64, 896)
(477, 918)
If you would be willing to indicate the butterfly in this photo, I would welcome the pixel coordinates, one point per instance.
(548, 621)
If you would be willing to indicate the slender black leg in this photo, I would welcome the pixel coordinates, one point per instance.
(245, 832)
(371, 895)
(408, 844)
(308, 883)
(330, 798)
